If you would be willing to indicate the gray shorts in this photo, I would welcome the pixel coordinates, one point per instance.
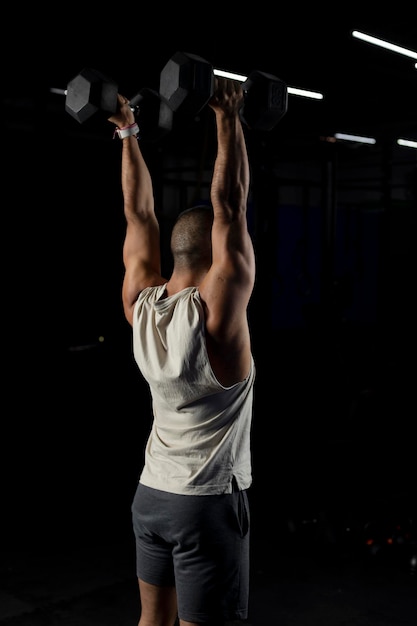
(200, 545)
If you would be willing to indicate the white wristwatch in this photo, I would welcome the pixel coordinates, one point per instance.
(133, 129)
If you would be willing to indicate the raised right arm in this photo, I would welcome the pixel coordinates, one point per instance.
(141, 248)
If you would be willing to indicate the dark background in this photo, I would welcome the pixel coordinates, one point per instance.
(334, 230)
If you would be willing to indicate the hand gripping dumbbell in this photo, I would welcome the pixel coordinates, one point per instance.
(92, 94)
(187, 84)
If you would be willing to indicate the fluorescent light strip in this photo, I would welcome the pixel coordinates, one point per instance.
(407, 142)
(231, 75)
(356, 138)
(292, 90)
(384, 44)
(306, 94)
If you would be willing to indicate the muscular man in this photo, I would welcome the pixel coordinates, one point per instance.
(191, 341)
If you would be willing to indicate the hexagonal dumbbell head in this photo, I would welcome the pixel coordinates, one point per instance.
(186, 83)
(90, 93)
(265, 101)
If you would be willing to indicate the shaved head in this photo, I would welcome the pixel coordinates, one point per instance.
(191, 238)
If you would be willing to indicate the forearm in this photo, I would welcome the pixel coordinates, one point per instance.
(136, 181)
(230, 183)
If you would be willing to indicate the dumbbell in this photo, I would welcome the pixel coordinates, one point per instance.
(187, 84)
(92, 94)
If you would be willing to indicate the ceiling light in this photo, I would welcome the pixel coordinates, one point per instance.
(384, 44)
(407, 143)
(357, 138)
(291, 90)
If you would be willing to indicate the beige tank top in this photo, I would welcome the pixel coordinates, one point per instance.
(200, 435)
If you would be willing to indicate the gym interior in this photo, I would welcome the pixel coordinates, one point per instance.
(332, 213)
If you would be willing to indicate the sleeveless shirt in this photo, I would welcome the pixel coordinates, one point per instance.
(200, 435)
